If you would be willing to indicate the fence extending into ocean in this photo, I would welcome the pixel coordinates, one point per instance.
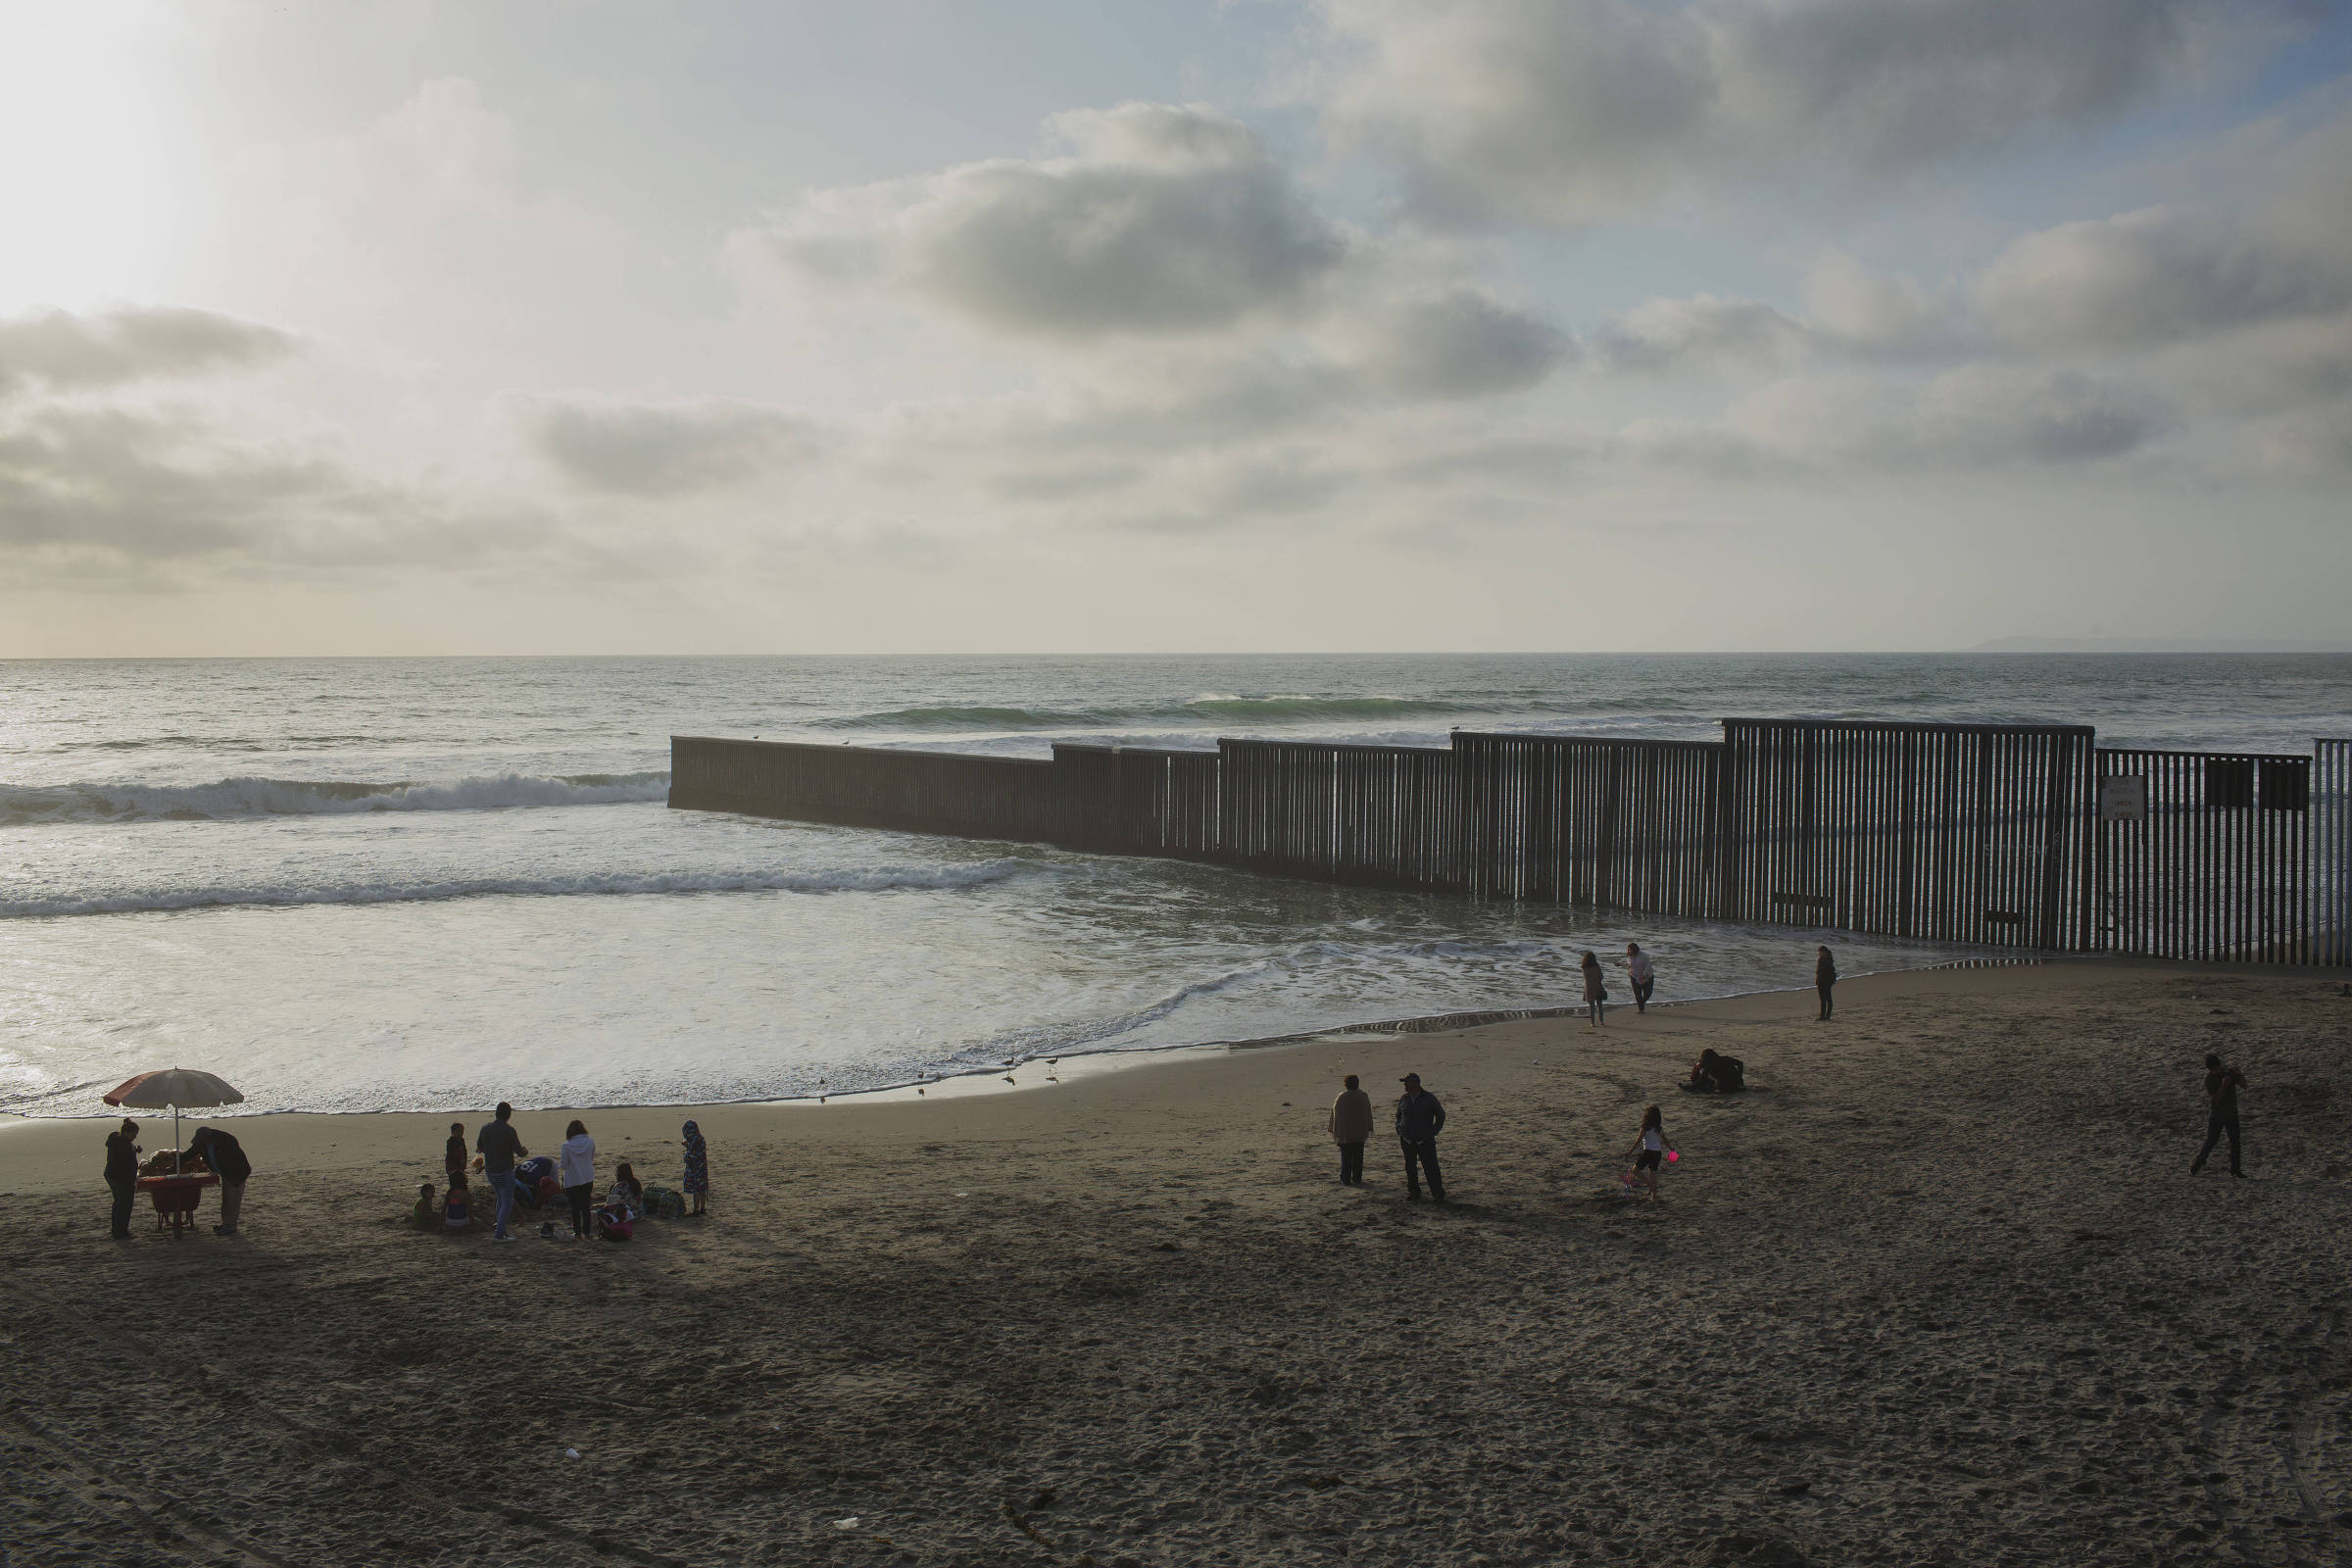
(2023, 836)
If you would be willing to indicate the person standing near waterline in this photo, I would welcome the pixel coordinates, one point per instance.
(1642, 974)
(575, 1170)
(1350, 1126)
(1596, 990)
(1825, 977)
(123, 1173)
(1419, 1121)
(2222, 1085)
(696, 1180)
(499, 1148)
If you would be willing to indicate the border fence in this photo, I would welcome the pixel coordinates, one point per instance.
(2021, 836)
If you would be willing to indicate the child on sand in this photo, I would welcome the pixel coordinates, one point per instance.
(453, 1157)
(423, 1215)
(698, 1167)
(1649, 1149)
(1596, 990)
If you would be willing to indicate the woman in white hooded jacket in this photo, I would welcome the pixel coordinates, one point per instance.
(575, 1168)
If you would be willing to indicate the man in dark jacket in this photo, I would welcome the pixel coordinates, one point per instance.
(227, 1160)
(2222, 1085)
(123, 1173)
(1419, 1121)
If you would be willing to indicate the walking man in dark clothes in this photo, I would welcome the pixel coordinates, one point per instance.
(123, 1173)
(1419, 1121)
(2222, 1085)
(500, 1147)
(227, 1160)
(1825, 978)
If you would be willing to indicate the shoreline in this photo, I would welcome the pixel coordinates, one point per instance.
(1938, 1288)
(36, 1154)
(1088, 1063)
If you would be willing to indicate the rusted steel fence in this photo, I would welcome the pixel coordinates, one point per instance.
(2332, 851)
(2021, 836)
(2205, 854)
(1948, 832)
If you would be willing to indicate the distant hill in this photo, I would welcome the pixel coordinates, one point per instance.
(2153, 645)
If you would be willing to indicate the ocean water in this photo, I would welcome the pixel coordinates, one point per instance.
(388, 884)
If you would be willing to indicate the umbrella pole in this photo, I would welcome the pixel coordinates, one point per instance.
(174, 1139)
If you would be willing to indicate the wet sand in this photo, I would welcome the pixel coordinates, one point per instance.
(1939, 1290)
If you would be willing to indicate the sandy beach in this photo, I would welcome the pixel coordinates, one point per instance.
(1937, 1290)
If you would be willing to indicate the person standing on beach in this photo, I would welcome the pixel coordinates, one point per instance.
(227, 1160)
(1642, 973)
(123, 1173)
(453, 1157)
(1596, 991)
(2222, 1085)
(696, 1180)
(576, 1169)
(499, 1148)
(1350, 1126)
(1649, 1148)
(1419, 1121)
(1825, 977)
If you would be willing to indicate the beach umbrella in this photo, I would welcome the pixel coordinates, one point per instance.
(175, 1086)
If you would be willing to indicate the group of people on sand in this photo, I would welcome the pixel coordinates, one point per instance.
(1641, 974)
(1418, 1118)
(210, 1148)
(518, 1179)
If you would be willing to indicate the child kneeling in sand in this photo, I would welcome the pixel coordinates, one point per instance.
(1651, 1149)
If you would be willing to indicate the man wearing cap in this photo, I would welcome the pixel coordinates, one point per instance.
(1419, 1119)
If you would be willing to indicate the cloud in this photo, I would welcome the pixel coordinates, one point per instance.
(1572, 112)
(1159, 221)
(69, 353)
(1458, 343)
(1702, 332)
(670, 450)
(1973, 418)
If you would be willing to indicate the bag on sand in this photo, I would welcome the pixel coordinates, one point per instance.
(663, 1202)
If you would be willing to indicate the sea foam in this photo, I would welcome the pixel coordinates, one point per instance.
(234, 797)
(877, 879)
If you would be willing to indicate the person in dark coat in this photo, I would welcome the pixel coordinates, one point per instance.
(123, 1173)
(2222, 1085)
(227, 1160)
(1419, 1121)
(1825, 977)
(1596, 990)
(1350, 1125)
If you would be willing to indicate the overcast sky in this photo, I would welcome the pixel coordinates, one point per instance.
(1033, 327)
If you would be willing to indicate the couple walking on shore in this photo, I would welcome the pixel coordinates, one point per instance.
(1637, 969)
(1418, 1120)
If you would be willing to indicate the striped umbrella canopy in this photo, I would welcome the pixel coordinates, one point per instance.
(175, 1086)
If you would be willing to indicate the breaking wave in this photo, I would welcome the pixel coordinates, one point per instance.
(1208, 707)
(880, 879)
(232, 798)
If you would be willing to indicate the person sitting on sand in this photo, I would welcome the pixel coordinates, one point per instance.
(423, 1216)
(628, 1193)
(1419, 1121)
(696, 1181)
(1649, 1149)
(456, 1210)
(453, 1155)
(576, 1163)
(1350, 1126)
(1596, 991)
